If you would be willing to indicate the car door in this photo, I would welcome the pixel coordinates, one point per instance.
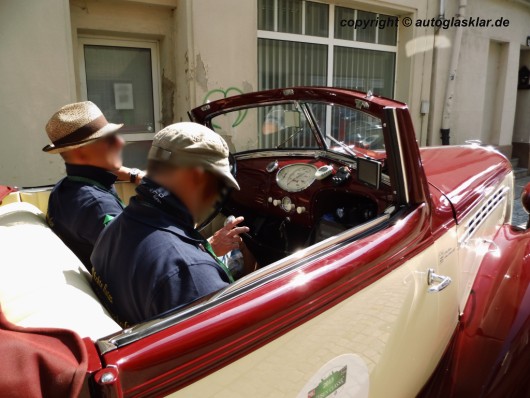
(385, 340)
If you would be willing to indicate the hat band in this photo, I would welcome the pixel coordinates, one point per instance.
(82, 133)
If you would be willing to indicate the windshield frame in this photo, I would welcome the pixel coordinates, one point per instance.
(318, 134)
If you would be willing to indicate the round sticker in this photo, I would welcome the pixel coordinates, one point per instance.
(345, 376)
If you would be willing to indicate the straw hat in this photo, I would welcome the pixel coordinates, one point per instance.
(192, 144)
(75, 125)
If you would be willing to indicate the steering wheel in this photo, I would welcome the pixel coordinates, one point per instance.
(225, 194)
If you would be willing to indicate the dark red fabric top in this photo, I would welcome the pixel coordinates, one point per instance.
(40, 362)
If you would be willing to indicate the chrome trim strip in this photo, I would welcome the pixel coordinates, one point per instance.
(275, 269)
(494, 201)
(243, 285)
(403, 173)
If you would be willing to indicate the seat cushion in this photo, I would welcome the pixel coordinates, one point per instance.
(42, 283)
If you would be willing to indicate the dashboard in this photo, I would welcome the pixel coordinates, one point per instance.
(305, 189)
(292, 201)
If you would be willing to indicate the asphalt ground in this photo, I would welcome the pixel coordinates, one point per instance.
(519, 217)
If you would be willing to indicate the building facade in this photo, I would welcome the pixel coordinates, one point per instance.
(147, 62)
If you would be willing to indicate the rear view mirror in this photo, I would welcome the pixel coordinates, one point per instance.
(291, 119)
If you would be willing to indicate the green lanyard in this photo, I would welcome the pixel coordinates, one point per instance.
(97, 184)
(223, 266)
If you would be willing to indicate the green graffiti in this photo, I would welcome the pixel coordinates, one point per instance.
(224, 94)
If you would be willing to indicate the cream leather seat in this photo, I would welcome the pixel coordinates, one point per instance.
(42, 283)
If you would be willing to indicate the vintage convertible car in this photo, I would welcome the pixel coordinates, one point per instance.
(385, 270)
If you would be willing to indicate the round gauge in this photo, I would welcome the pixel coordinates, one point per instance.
(287, 205)
(296, 177)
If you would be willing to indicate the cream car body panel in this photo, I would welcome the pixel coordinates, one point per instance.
(375, 324)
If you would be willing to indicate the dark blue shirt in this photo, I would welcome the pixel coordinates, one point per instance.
(149, 260)
(80, 206)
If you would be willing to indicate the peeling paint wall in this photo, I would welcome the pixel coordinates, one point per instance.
(168, 99)
(217, 50)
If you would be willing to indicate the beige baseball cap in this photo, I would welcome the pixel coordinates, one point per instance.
(192, 144)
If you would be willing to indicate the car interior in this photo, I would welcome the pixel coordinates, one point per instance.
(299, 185)
(300, 188)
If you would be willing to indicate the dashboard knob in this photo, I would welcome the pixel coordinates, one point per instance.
(300, 209)
(276, 202)
(270, 199)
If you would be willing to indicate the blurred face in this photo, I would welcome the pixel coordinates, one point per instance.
(210, 194)
(104, 153)
(198, 189)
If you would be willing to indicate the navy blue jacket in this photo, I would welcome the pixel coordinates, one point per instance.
(80, 205)
(148, 261)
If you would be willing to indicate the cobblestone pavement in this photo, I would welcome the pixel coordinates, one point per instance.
(520, 217)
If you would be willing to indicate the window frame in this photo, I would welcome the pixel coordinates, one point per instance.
(152, 45)
(330, 41)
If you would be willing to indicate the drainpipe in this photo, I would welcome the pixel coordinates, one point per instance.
(434, 71)
(451, 80)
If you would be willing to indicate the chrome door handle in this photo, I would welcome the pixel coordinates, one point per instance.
(442, 281)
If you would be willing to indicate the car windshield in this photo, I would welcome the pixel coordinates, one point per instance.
(302, 125)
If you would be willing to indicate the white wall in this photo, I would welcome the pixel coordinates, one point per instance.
(37, 75)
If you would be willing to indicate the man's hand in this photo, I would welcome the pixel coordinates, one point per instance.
(227, 238)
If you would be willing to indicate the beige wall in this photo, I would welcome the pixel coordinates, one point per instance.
(217, 50)
(208, 49)
(37, 75)
(128, 19)
(486, 86)
(521, 131)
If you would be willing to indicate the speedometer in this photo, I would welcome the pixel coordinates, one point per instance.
(296, 177)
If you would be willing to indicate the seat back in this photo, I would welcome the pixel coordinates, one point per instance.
(42, 283)
(39, 196)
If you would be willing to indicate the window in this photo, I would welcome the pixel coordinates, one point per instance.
(121, 78)
(280, 126)
(308, 43)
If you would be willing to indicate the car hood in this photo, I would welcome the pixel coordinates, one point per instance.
(461, 173)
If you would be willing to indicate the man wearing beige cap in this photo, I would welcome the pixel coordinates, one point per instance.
(83, 202)
(151, 259)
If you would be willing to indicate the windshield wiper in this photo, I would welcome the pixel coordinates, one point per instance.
(300, 130)
(342, 144)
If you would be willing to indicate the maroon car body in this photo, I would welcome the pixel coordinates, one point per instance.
(433, 223)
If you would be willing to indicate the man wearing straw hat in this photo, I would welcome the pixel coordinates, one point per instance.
(85, 201)
(151, 259)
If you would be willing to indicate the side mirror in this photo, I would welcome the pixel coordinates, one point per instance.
(525, 201)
